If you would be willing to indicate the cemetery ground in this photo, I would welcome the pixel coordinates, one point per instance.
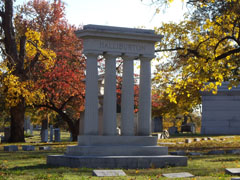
(32, 164)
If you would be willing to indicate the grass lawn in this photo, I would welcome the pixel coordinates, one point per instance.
(24, 165)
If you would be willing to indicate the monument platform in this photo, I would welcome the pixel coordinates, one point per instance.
(128, 152)
(126, 162)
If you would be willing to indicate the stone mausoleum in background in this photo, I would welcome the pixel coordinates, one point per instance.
(221, 112)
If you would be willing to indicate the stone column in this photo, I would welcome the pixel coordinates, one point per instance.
(144, 115)
(109, 100)
(91, 96)
(127, 101)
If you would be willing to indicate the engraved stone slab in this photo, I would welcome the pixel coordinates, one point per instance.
(179, 175)
(28, 148)
(46, 148)
(10, 148)
(237, 178)
(103, 173)
(233, 171)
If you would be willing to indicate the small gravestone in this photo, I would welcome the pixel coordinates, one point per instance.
(10, 148)
(216, 152)
(157, 124)
(233, 151)
(28, 148)
(44, 135)
(233, 171)
(31, 129)
(178, 175)
(194, 154)
(173, 130)
(188, 140)
(51, 133)
(109, 173)
(45, 148)
(57, 135)
(44, 131)
(236, 178)
(197, 139)
(179, 153)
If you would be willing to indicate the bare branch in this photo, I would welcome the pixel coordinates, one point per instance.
(223, 39)
(227, 54)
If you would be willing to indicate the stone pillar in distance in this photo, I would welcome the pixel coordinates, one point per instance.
(91, 98)
(127, 101)
(144, 115)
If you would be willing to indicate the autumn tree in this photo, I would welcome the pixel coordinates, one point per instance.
(63, 84)
(200, 52)
(21, 51)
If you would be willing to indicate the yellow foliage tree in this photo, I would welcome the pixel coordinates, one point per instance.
(199, 53)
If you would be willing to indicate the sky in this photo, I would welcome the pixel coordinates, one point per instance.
(123, 13)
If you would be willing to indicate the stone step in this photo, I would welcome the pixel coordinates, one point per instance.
(90, 140)
(116, 150)
(110, 162)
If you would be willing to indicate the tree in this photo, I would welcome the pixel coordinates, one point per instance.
(202, 52)
(63, 84)
(20, 53)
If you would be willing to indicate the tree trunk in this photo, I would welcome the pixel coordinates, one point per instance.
(17, 123)
(74, 129)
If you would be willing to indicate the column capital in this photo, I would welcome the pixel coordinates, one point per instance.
(129, 56)
(146, 57)
(111, 54)
(92, 53)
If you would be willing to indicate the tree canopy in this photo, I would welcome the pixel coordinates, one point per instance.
(198, 53)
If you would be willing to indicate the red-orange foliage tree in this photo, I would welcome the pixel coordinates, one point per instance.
(63, 84)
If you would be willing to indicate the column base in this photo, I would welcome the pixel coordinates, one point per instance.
(87, 140)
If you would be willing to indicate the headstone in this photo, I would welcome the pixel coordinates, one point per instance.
(10, 148)
(157, 124)
(57, 135)
(194, 154)
(179, 175)
(71, 137)
(28, 148)
(179, 153)
(44, 131)
(7, 132)
(216, 152)
(31, 129)
(236, 178)
(109, 173)
(233, 171)
(51, 133)
(197, 139)
(44, 135)
(46, 148)
(233, 151)
(188, 140)
(173, 130)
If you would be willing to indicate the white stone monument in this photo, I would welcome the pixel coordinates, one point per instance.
(109, 150)
(220, 112)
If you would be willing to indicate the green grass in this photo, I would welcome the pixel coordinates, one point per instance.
(23, 165)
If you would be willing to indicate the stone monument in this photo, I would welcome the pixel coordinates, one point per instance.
(110, 150)
(220, 112)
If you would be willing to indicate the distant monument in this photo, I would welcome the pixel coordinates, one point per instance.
(107, 149)
(221, 112)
